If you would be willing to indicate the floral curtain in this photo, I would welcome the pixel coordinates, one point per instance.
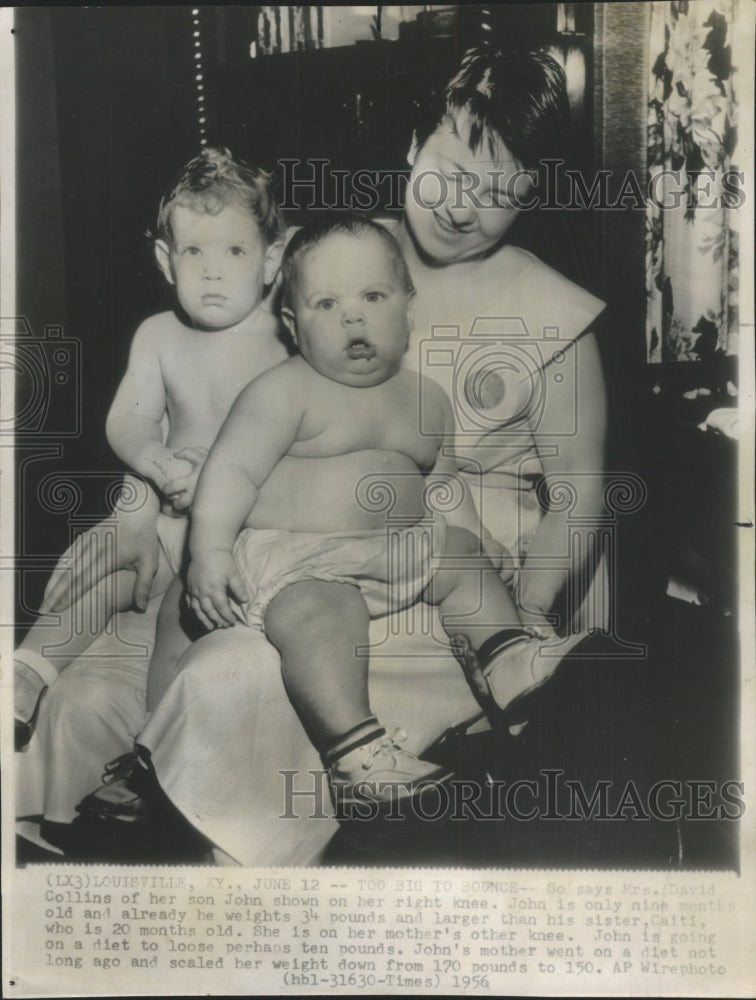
(694, 188)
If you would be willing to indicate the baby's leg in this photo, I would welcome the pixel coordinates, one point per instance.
(317, 627)
(474, 602)
(171, 641)
(507, 664)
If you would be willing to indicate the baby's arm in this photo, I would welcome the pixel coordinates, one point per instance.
(258, 432)
(133, 426)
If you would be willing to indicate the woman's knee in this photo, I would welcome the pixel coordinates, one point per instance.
(239, 656)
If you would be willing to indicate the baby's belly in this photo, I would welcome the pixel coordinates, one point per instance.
(346, 492)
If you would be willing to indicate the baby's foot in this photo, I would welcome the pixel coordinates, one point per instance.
(514, 674)
(512, 679)
(368, 781)
(520, 679)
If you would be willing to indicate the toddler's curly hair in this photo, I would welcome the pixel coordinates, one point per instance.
(214, 179)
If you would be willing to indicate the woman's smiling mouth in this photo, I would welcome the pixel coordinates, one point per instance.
(450, 228)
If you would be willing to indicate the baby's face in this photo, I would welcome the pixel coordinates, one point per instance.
(352, 314)
(218, 264)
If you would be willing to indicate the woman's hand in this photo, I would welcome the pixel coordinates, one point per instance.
(93, 555)
(212, 574)
(573, 468)
(180, 491)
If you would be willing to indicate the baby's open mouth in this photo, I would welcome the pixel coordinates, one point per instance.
(359, 349)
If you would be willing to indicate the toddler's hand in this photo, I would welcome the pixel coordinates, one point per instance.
(180, 491)
(211, 576)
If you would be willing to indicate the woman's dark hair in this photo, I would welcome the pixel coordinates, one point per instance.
(518, 97)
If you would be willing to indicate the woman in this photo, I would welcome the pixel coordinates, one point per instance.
(507, 337)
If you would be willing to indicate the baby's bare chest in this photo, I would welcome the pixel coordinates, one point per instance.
(341, 422)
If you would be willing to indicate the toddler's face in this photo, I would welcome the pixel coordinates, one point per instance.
(352, 314)
(219, 265)
(460, 203)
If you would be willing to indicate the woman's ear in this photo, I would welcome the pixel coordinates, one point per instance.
(272, 262)
(163, 258)
(289, 320)
(413, 150)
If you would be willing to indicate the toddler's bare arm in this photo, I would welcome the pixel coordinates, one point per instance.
(133, 426)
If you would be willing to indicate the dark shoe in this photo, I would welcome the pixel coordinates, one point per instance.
(128, 783)
(130, 820)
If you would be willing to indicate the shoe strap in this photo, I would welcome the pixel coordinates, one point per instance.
(502, 640)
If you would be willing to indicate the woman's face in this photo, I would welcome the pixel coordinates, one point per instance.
(461, 203)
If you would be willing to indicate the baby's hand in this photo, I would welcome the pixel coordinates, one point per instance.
(211, 576)
(180, 491)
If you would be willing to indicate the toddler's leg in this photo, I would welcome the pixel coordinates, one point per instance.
(318, 628)
(55, 641)
(171, 641)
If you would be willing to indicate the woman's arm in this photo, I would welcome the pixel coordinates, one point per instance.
(580, 459)
(445, 471)
(93, 556)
